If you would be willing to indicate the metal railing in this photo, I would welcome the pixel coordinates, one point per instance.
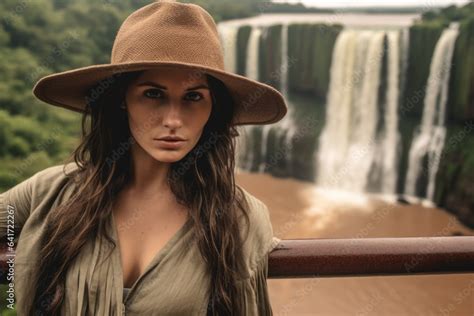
(320, 257)
(303, 258)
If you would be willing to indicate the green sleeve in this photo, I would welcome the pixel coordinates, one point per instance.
(17, 203)
(15, 206)
(257, 246)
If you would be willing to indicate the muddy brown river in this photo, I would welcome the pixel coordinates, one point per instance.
(300, 210)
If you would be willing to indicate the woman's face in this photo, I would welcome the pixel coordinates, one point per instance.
(168, 102)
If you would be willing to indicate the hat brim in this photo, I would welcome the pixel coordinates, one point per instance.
(256, 102)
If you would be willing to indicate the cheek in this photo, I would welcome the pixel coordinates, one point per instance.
(141, 121)
(199, 119)
(140, 116)
(203, 116)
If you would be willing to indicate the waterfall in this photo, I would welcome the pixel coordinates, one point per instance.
(288, 126)
(284, 129)
(228, 39)
(404, 55)
(284, 61)
(391, 138)
(429, 138)
(246, 145)
(251, 71)
(359, 147)
(285, 126)
(253, 49)
(347, 144)
(386, 159)
(265, 131)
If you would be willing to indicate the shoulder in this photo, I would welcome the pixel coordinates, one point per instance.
(51, 176)
(258, 213)
(49, 181)
(260, 240)
(40, 181)
(39, 189)
(55, 172)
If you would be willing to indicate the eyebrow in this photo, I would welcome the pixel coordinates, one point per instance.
(154, 84)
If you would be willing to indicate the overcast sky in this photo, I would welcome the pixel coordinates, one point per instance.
(378, 3)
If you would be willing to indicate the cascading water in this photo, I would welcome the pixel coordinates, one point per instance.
(385, 167)
(347, 144)
(265, 131)
(391, 139)
(429, 137)
(286, 127)
(228, 38)
(359, 146)
(251, 71)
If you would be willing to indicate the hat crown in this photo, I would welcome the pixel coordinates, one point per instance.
(171, 32)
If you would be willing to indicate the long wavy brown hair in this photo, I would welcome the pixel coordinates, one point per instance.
(203, 181)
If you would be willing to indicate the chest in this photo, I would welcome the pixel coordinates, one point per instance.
(143, 230)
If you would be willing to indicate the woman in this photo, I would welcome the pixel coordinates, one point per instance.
(149, 202)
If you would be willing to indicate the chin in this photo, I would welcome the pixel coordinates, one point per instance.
(170, 156)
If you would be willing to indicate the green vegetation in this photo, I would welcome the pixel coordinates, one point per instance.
(230, 9)
(449, 14)
(454, 181)
(461, 92)
(462, 83)
(423, 38)
(271, 7)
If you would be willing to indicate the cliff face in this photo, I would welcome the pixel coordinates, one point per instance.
(423, 39)
(461, 96)
(455, 180)
(310, 48)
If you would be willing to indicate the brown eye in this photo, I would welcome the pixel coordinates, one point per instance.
(152, 93)
(194, 95)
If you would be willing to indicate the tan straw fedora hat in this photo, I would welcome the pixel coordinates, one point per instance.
(166, 33)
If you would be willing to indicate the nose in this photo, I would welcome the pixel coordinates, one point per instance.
(173, 117)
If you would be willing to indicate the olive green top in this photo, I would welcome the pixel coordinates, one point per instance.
(174, 283)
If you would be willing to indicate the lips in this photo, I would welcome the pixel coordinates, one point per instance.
(169, 143)
(171, 138)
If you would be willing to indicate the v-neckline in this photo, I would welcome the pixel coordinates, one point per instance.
(158, 256)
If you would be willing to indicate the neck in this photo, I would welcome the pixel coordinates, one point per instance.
(148, 176)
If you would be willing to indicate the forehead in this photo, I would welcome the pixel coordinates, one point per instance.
(173, 77)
